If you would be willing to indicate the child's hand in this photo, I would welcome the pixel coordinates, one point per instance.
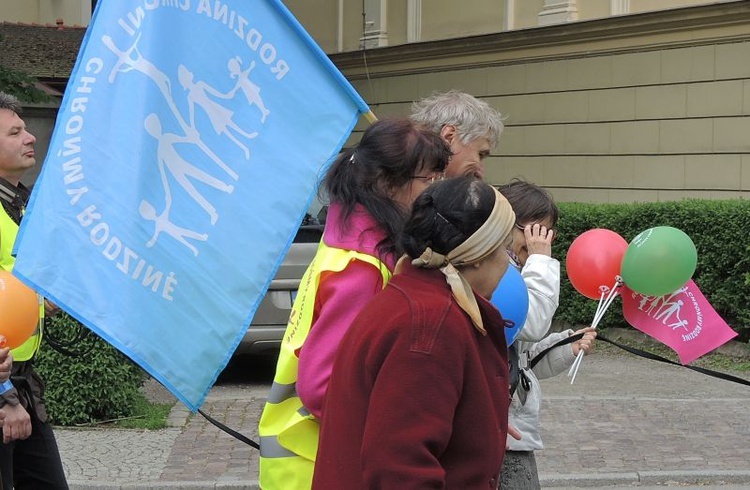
(586, 344)
(539, 239)
(514, 433)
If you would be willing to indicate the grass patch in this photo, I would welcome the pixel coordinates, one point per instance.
(715, 361)
(723, 363)
(146, 415)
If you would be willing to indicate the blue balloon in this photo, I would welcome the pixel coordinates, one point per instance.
(512, 299)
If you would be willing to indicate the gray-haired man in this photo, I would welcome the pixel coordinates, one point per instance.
(469, 125)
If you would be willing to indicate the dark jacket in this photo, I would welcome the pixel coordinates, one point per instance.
(28, 385)
(418, 398)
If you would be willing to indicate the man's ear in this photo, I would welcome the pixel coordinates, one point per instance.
(449, 133)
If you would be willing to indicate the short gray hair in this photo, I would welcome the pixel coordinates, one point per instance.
(10, 102)
(473, 118)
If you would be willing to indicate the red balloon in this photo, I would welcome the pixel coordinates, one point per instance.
(593, 261)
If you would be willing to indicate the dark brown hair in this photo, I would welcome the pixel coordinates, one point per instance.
(530, 202)
(389, 155)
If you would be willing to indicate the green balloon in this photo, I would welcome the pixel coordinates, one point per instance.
(659, 261)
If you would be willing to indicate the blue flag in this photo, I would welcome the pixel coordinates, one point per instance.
(187, 149)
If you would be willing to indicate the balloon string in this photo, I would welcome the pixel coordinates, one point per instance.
(599, 307)
(600, 310)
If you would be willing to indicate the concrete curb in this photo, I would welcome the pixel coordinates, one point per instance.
(160, 485)
(599, 480)
(693, 477)
(178, 415)
(590, 480)
(573, 480)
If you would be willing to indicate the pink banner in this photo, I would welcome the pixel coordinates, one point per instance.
(684, 320)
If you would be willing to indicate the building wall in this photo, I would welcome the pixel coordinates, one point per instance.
(646, 107)
(637, 108)
(397, 22)
(15, 11)
(588, 10)
(526, 13)
(329, 20)
(73, 12)
(320, 19)
(651, 5)
(443, 19)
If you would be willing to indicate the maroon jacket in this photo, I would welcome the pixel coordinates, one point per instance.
(418, 397)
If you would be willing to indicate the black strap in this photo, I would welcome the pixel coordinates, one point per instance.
(229, 431)
(655, 357)
(565, 341)
(513, 368)
(66, 347)
(13, 199)
(22, 384)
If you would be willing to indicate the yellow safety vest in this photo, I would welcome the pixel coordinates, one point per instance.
(288, 432)
(8, 232)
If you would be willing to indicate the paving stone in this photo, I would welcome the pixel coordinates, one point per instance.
(625, 422)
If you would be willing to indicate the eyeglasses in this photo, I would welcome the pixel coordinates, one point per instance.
(430, 179)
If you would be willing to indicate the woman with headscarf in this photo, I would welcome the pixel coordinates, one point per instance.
(418, 397)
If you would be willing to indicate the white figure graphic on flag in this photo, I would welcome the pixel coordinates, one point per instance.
(182, 170)
(219, 115)
(679, 324)
(250, 89)
(684, 320)
(134, 60)
(163, 224)
(168, 156)
(664, 308)
(162, 81)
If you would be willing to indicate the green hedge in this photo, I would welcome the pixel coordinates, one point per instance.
(101, 384)
(719, 229)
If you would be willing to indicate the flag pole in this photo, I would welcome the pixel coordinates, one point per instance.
(370, 116)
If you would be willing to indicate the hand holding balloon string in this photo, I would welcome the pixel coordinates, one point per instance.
(600, 310)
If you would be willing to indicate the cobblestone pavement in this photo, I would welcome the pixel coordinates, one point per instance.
(625, 422)
(645, 421)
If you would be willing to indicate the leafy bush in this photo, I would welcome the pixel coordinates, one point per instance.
(100, 384)
(718, 229)
(21, 85)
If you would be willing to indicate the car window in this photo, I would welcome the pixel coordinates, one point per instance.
(311, 229)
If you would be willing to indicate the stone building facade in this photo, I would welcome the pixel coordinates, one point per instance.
(605, 101)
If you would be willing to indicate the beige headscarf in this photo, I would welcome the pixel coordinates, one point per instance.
(482, 243)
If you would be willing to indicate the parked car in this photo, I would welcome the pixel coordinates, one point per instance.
(264, 335)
